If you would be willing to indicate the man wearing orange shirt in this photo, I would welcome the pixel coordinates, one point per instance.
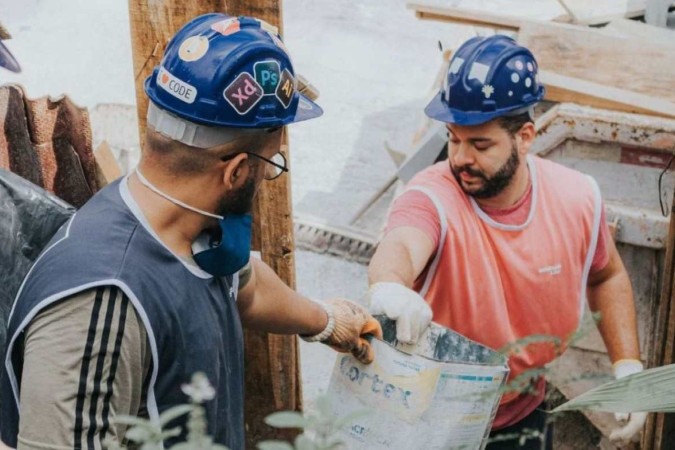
(498, 245)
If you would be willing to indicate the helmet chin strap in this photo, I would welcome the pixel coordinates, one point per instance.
(175, 201)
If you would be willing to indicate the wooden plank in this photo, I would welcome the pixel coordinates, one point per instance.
(635, 29)
(107, 163)
(602, 11)
(465, 16)
(562, 88)
(590, 55)
(272, 365)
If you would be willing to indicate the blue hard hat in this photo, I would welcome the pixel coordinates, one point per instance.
(488, 77)
(228, 71)
(7, 59)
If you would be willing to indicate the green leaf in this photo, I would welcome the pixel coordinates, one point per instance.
(139, 434)
(652, 390)
(274, 445)
(173, 432)
(302, 442)
(134, 421)
(173, 413)
(286, 419)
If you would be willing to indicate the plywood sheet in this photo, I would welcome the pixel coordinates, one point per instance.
(590, 55)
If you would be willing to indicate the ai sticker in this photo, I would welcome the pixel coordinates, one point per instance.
(193, 48)
(267, 75)
(178, 88)
(243, 93)
(285, 88)
(226, 27)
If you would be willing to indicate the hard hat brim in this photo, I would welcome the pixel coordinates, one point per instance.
(7, 60)
(437, 109)
(306, 110)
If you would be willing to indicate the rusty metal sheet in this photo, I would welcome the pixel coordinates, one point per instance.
(48, 142)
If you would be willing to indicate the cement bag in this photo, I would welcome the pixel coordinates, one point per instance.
(442, 393)
(29, 217)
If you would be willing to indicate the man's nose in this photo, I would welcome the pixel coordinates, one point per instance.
(461, 154)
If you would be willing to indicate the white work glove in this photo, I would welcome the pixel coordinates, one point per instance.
(633, 421)
(410, 311)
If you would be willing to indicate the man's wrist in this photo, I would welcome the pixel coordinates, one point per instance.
(328, 329)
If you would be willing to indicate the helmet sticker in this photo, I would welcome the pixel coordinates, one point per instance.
(488, 90)
(226, 27)
(530, 67)
(515, 77)
(456, 64)
(178, 88)
(286, 88)
(268, 27)
(479, 72)
(243, 93)
(519, 65)
(528, 82)
(304, 104)
(267, 75)
(193, 48)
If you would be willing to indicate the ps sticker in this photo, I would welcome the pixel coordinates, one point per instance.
(243, 93)
(267, 75)
(176, 87)
(285, 88)
(226, 27)
(193, 48)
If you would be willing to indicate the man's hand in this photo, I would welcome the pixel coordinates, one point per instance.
(347, 324)
(410, 311)
(633, 421)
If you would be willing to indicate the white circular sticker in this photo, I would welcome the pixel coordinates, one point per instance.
(519, 65)
(193, 48)
(528, 82)
(515, 77)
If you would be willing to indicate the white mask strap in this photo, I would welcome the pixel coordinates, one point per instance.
(175, 201)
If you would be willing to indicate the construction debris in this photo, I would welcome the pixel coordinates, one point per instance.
(48, 142)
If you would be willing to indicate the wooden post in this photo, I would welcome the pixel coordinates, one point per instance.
(659, 431)
(272, 363)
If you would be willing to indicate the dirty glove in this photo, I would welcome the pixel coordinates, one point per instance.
(410, 311)
(633, 421)
(347, 324)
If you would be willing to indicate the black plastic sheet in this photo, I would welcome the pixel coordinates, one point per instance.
(29, 217)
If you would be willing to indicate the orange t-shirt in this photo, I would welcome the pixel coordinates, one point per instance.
(510, 273)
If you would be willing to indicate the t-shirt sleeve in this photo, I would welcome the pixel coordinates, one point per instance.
(601, 256)
(85, 362)
(415, 209)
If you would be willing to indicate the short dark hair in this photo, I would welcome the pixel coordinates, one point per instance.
(513, 124)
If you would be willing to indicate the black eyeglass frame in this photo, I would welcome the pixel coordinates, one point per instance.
(283, 168)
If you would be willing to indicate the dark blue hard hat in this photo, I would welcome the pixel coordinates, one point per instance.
(488, 77)
(7, 60)
(225, 71)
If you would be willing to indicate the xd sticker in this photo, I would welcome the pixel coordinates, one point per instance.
(243, 93)
(178, 88)
(226, 27)
(267, 75)
(285, 88)
(193, 48)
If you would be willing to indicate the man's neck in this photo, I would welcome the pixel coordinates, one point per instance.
(512, 193)
(176, 226)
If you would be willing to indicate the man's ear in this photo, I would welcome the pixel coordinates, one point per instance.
(236, 171)
(526, 136)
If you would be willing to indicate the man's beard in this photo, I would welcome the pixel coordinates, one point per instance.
(494, 185)
(240, 201)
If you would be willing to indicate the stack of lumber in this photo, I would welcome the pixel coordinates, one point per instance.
(626, 66)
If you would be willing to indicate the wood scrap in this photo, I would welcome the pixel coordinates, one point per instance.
(560, 88)
(621, 71)
(105, 160)
(635, 29)
(4, 34)
(48, 142)
(466, 16)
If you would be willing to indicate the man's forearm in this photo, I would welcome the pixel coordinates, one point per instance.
(613, 299)
(267, 304)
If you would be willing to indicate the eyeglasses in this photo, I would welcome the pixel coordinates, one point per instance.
(277, 165)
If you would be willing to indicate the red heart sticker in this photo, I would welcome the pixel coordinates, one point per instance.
(165, 78)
